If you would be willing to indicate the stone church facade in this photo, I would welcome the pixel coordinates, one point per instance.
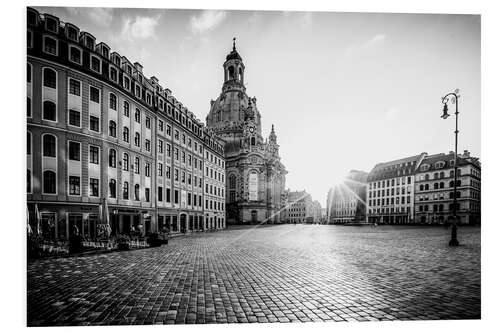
(255, 176)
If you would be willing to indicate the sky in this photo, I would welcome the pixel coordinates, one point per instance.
(343, 90)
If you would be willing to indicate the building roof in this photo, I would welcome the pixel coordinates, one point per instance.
(397, 168)
(462, 159)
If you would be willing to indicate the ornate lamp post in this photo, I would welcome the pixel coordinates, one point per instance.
(453, 96)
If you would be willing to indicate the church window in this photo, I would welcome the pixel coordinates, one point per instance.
(252, 141)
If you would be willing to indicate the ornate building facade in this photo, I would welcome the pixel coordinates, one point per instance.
(254, 172)
(347, 200)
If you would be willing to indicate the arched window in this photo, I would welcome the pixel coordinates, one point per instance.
(112, 188)
(137, 165)
(441, 174)
(436, 175)
(441, 207)
(452, 183)
(137, 139)
(125, 190)
(441, 185)
(125, 134)
(49, 111)
(459, 172)
(436, 186)
(125, 161)
(112, 158)
(459, 182)
(231, 72)
(49, 182)
(452, 173)
(112, 101)
(126, 109)
(426, 176)
(112, 128)
(426, 187)
(49, 145)
(252, 141)
(240, 72)
(136, 192)
(137, 115)
(49, 78)
(421, 187)
(232, 182)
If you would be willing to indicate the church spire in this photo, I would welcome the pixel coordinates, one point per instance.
(234, 44)
(272, 135)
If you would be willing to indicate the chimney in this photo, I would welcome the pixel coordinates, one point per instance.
(466, 153)
(154, 79)
(168, 91)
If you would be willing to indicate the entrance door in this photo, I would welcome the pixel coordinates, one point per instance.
(183, 222)
(254, 216)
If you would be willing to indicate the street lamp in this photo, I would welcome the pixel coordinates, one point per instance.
(454, 99)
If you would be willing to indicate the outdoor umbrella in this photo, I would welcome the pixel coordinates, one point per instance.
(37, 220)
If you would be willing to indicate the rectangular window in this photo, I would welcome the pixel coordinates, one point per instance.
(74, 151)
(74, 118)
(167, 195)
(148, 122)
(95, 95)
(160, 193)
(176, 196)
(74, 185)
(160, 125)
(74, 87)
(160, 146)
(94, 154)
(75, 55)
(50, 45)
(146, 194)
(94, 187)
(94, 124)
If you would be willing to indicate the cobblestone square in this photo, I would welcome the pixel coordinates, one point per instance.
(275, 273)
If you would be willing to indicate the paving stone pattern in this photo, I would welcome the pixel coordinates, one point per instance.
(281, 273)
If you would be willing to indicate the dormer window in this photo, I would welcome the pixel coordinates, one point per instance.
(439, 165)
(89, 42)
(424, 167)
(50, 45)
(75, 55)
(116, 61)
(138, 91)
(129, 69)
(148, 98)
(32, 17)
(95, 64)
(51, 24)
(72, 33)
(105, 52)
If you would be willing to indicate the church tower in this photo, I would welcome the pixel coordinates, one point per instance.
(255, 176)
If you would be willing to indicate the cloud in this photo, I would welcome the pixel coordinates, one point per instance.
(377, 39)
(99, 16)
(207, 20)
(373, 42)
(140, 27)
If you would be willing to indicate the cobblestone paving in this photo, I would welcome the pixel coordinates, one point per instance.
(283, 273)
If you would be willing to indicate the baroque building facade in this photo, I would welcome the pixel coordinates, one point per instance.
(434, 189)
(255, 186)
(105, 144)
